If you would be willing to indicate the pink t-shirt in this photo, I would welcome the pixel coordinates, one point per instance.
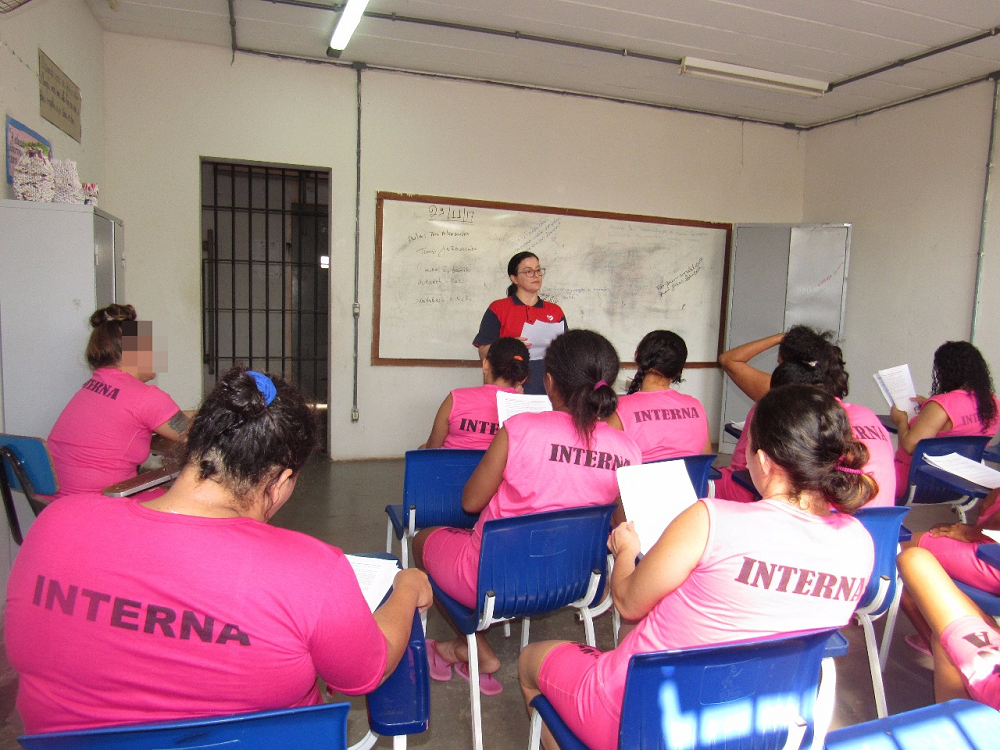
(119, 614)
(768, 569)
(664, 424)
(103, 433)
(548, 468)
(960, 406)
(869, 430)
(473, 420)
(725, 487)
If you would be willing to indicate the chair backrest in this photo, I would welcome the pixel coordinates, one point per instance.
(542, 561)
(36, 462)
(433, 484)
(743, 695)
(883, 525)
(322, 727)
(698, 468)
(970, 446)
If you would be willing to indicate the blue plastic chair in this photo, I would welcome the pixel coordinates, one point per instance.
(27, 468)
(955, 725)
(750, 695)
(924, 491)
(531, 565)
(883, 591)
(398, 707)
(432, 495)
(744, 480)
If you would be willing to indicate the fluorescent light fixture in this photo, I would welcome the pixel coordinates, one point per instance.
(349, 19)
(752, 77)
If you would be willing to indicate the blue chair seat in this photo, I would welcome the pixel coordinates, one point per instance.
(953, 725)
(929, 487)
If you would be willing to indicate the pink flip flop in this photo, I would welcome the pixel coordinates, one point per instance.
(488, 684)
(437, 665)
(915, 642)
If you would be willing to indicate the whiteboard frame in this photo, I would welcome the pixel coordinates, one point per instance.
(382, 196)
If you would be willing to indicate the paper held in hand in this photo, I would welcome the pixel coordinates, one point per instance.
(653, 495)
(509, 404)
(896, 384)
(540, 335)
(966, 468)
(375, 576)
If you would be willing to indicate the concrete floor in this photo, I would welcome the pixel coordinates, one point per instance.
(342, 503)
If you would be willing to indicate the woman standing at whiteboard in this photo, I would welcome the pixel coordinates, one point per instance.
(520, 308)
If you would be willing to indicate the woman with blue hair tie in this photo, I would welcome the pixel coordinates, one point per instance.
(191, 604)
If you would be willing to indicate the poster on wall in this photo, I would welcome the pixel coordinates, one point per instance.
(59, 98)
(17, 136)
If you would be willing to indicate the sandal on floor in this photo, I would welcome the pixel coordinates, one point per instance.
(488, 684)
(438, 667)
(917, 643)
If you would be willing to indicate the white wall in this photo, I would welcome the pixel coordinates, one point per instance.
(911, 181)
(170, 103)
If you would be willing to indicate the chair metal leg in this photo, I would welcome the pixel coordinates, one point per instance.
(588, 627)
(404, 551)
(506, 629)
(890, 626)
(477, 709)
(826, 699)
(388, 537)
(535, 732)
(525, 627)
(366, 742)
(399, 742)
(874, 667)
(616, 623)
(796, 731)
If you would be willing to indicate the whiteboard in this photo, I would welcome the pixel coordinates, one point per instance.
(439, 262)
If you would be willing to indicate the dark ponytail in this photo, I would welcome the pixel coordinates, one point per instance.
(244, 443)
(806, 432)
(662, 351)
(584, 366)
(105, 346)
(508, 358)
(512, 265)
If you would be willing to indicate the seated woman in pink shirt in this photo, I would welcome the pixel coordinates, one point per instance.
(528, 468)
(104, 432)
(467, 417)
(964, 642)
(954, 547)
(962, 402)
(664, 423)
(192, 604)
(724, 572)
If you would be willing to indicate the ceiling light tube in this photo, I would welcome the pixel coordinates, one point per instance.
(752, 77)
(349, 19)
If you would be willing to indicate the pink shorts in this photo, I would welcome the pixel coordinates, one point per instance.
(974, 648)
(452, 560)
(727, 489)
(568, 678)
(960, 562)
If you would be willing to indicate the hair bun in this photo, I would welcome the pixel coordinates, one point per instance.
(113, 313)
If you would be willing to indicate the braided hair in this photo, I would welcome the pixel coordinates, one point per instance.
(661, 351)
(584, 366)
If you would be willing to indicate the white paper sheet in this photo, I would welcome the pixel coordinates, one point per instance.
(653, 495)
(739, 425)
(375, 576)
(896, 384)
(966, 468)
(540, 335)
(509, 404)
(994, 535)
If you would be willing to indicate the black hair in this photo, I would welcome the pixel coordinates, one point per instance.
(661, 351)
(789, 373)
(584, 366)
(804, 344)
(958, 365)
(104, 349)
(241, 442)
(806, 432)
(512, 265)
(508, 358)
